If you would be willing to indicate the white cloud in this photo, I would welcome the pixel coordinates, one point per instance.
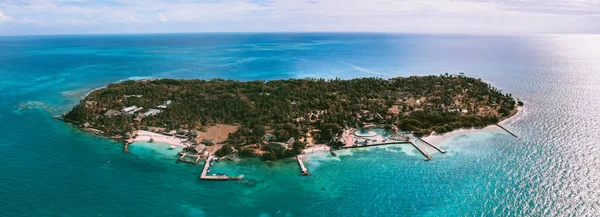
(163, 18)
(431, 16)
(35, 22)
(4, 17)
(77, 22)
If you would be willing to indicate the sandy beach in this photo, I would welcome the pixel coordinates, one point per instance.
(145, 136)
(316, 149)
(440, 138)
(521, 111)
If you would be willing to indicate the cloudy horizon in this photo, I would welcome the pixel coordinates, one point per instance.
(408, 16)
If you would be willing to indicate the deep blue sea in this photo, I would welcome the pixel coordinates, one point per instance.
(49, 168)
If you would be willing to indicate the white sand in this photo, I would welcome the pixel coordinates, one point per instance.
(316, 149)
(145, 136)
(521, 112)
(440, 138)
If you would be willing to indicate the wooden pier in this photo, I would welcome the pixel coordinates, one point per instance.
(433, 146)
(183, 159)
(185, 155)
(204, 175)
(126, 147)
(501, 127)
(376, 144)
(302, 167)
(427, 157)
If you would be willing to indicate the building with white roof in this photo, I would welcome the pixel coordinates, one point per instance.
(151, 112)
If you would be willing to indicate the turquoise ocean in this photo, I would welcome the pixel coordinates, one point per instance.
(49, 168)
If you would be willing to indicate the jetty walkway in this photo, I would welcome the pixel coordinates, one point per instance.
(303, 169)
(184, 157)
(427, 157)
(501, 127)
(393, 142)
(204, 175)
(433, 146)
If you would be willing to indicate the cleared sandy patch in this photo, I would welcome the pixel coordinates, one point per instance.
(217, 133)
(213, 148)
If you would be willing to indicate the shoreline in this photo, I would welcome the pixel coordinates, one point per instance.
(316, 149)
(438, 139)
(135, 78)
(145, 136)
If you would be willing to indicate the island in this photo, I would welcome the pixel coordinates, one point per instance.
(282, 118)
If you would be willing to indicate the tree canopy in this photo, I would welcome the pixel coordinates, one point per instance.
(290, 108)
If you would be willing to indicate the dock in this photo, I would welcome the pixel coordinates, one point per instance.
(433, 146)
(302, 167)
(204, 175)
(427, 157)
(127, 143)
(376, 144)
(501, 127)
(184, 158)
(197, 159)
(206, 167)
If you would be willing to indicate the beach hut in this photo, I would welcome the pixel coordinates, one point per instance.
(129, 109)
(170, 133)
(193, 133)
(208, 142)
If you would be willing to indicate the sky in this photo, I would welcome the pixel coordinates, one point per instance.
(30, 17)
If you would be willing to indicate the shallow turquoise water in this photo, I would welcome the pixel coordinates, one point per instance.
(52, 169)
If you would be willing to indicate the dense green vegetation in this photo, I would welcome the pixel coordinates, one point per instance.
(224, 151)
(291, 108)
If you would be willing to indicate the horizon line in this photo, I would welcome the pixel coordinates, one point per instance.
(297, 32)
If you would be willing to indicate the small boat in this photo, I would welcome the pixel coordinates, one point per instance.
(172, 147)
